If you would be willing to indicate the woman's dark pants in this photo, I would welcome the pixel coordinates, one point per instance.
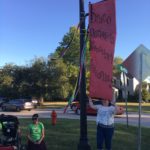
(32, 146)
(104, 134)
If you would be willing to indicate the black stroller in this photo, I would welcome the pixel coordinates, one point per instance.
(10, 139)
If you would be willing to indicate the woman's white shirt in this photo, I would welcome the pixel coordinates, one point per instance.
(105, 114)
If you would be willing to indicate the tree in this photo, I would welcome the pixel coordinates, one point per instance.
(70, 44)
(145, 95)
(145, 92)
(71, 40)
(52, 78)
(117, 60)
(58, 82)
(6, 80)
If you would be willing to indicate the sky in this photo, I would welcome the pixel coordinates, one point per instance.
(34, 28)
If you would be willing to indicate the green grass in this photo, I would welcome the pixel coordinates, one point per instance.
(133, 107)
(53, 105)
(65, 135)
(145, 109)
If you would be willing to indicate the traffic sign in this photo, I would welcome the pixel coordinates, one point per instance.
(121, 68)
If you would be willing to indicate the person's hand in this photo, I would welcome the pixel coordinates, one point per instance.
(34, 142)
(38, 142)
(120, 110)
(90, 99)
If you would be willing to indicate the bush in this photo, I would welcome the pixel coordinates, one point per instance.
(133, 98)
(145, 95)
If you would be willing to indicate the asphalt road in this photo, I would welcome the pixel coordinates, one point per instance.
(46, 113)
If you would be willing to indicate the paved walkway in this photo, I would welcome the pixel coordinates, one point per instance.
(133, 118)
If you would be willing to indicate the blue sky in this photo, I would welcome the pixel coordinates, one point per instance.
(34, 28)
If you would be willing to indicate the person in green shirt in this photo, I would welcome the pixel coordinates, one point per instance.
(36, 135)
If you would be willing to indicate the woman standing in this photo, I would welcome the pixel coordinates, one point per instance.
(36, 135)
(105, 122)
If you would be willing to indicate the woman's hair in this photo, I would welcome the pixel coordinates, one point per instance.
(35, 116)
(109, 104)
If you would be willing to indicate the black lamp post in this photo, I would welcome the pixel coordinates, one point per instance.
(83, 142)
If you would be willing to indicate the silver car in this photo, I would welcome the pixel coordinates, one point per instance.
(18, 105)
(35, 102)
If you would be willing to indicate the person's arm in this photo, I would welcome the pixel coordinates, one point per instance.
(19, 133)
(119, 110)
(42, 134)
(28, 135)
(91, 104)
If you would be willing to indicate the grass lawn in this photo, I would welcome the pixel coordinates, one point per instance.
(53, 105)
(65, 135)
(133, 107)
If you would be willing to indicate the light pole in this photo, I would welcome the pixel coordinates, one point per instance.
(83, 142)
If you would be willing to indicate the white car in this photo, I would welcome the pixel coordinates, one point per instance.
(35, 102)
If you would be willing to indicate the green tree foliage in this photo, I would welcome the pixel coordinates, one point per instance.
(58, 83)
(6, 80)
(71, 44)
(41, 79)
(145, 95)
(49, 79)
(117, 60)
(72, 55)
(145, 92)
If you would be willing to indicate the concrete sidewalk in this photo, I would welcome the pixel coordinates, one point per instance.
(133, 118)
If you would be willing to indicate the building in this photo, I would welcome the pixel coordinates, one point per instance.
(138, 66)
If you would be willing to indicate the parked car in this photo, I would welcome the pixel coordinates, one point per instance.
(35, 102)
(3, 100)
(18, 105)
(73, 105)
(76, 104)
(89, 110)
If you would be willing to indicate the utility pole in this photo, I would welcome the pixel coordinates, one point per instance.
(140, 100)
(83, 142)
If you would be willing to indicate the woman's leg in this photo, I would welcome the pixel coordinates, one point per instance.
(32, 146)
(43, 145)
(108, 137)
(100, 138)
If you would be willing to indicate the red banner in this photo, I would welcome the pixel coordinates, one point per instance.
(102, 30)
